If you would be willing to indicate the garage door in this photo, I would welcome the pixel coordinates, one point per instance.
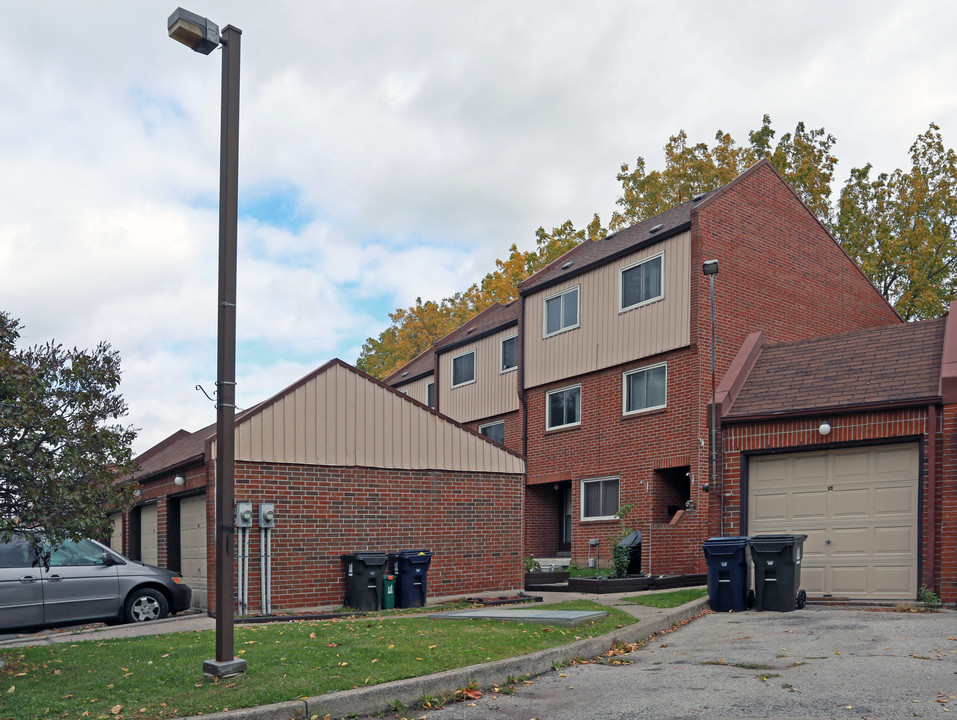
(192, 529)
(116, 531)
(859, 509)
(148, 552)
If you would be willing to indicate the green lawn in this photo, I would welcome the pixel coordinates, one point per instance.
(161, 676)
(668, 599)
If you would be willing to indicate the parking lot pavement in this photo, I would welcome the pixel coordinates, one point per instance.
(820, 662)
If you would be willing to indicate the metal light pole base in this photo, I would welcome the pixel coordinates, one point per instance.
(214, 669)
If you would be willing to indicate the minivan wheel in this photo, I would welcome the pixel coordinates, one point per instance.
(145, 604)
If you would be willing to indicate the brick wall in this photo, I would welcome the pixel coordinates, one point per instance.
(938, 570)
(513, 428)
(472, 524)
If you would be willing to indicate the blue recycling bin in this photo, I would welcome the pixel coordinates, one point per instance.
(411, 568)
(729, 576)
(777, 572)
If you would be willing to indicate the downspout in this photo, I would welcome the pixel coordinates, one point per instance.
(932, 492)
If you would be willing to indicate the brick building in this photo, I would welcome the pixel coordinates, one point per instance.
(614, 385)
(350, 465)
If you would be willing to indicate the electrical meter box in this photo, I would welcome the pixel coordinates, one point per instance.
(244, 514)
(267, 515)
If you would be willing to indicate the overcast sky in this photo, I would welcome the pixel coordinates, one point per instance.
(388, 150)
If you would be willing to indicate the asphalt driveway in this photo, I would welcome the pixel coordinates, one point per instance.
(820, 662)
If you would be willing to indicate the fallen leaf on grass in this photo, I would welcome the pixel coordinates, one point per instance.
(12, 689)
(116, 709)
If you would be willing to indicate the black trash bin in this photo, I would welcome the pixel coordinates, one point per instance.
(729, 573)
(777, 572)
(364, 571)
(633, 543)
(411, 568)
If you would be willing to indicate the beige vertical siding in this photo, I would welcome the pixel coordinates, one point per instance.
(339, 417)
(492, 393)
(417, 389)
(606, 337)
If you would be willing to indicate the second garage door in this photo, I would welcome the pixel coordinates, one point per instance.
(192, 528)
(859, 509)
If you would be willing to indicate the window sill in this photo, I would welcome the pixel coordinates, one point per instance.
(644, 414)
(563, 428)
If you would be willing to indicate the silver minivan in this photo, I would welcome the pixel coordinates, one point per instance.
(86, 581)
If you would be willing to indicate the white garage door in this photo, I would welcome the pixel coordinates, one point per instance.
(859, 509)
(148, 546)
(192, 538)
(116, 531)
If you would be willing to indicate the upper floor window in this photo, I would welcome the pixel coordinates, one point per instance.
(509, 353)
(645, 389)
(494, 431)
(463, 369)
(563, 407)
(599, 499)
(430, 394)
(561, 311)
(642, 282)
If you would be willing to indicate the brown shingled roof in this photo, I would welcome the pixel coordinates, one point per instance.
(492, 319)
(185, 448)
(592, 253)
(876, 366)
(421, 365)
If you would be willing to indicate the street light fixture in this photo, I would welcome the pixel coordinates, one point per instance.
(201, 35)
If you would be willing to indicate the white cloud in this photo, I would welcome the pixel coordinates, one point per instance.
(418, 141)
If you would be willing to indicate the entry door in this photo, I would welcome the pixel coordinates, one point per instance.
(565, 518)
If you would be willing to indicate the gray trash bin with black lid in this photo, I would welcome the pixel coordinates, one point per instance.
(364, 571)
(729, 573)
(632, 541)
(777, 572)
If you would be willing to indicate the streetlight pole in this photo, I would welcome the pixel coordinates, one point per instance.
(203, 36)
(710, 268)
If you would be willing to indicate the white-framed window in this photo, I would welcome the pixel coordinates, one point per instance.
(641, 282)
(599, 498)
(430, 394)
(494, 431)
(644, 389)
(463, 369)
(561, 312)
(509, 354)
(563, 408)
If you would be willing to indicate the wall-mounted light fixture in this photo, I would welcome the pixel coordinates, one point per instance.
(137, 493)
(825, 428)
(179, 480)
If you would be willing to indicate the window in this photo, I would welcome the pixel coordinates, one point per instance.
(561, 311)
(509, 353)
(642, 282)
(463, 369)
(645, 389)
(494, 431)
(599, 499)
(430, 394)
(563, 407)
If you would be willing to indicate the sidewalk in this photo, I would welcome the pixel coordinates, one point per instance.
(370, 700)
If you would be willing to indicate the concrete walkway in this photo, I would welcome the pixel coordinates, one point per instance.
(375, 699)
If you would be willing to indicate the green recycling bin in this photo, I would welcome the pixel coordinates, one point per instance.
(388, 592)
(777, 572)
